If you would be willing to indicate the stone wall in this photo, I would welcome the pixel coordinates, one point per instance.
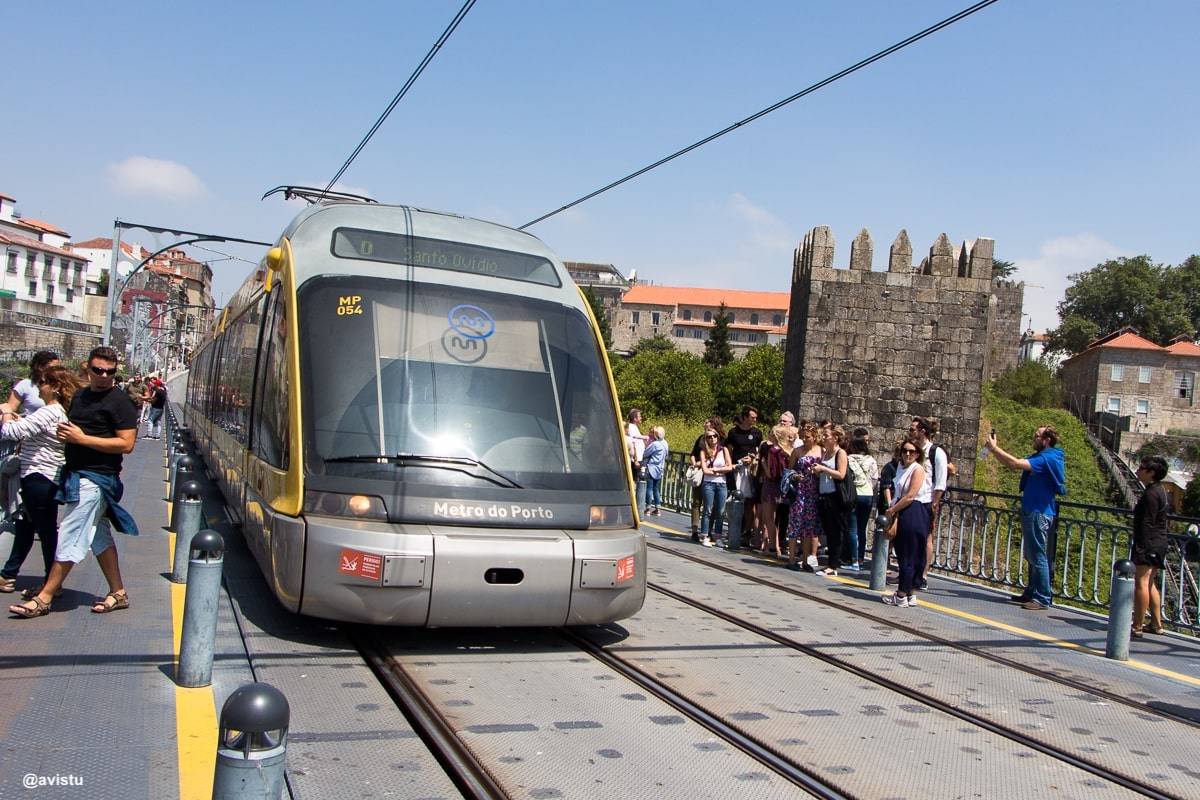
(878, 348)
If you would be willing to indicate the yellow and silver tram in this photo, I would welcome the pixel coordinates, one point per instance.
(413, 415)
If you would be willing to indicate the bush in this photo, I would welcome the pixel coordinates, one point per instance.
(1191, 498)
(665, 383)
(756, 380)
(1031, 384)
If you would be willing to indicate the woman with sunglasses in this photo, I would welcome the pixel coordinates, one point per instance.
(911, 497)
(1149, 544)
(41, 461)
(804, 526)
(716, 464)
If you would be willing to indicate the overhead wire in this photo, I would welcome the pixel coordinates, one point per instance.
(441, 40)
(916, 37)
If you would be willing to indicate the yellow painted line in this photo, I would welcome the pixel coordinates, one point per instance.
(1004, 626)
(195, 713)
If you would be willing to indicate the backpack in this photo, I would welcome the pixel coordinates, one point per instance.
(160, 395)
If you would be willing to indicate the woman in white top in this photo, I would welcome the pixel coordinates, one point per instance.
(716, 463)
(865, 470)
(834, 519)
(910, 502)
(24, 397)
(41, 460)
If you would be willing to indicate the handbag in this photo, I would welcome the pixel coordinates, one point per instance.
(743, 483)
(847, 491)
(695, 475)
(892, 529)
(787, 489)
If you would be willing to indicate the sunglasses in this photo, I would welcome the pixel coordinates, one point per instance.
(908, 451)
(102, 371)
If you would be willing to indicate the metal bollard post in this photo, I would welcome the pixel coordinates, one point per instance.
(188, 488)
(200, 610)
(252, 745)
(1120, 611)
(183, 469)
(185, 521)
(879, 555)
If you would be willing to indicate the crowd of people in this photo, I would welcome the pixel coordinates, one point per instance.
(73, 428)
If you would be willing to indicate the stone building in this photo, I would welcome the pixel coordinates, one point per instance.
(603, 280)
(42, 276)
(686, 316)
(1131, 377)
(878, 348)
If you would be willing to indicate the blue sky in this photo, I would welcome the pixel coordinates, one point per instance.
(1066, 131)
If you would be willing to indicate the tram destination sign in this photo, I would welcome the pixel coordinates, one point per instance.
(418, 251)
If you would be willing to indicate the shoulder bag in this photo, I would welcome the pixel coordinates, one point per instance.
(846, 491)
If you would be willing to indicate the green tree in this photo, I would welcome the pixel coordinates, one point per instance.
(665, 383)
(102, 284)
(658, 341)
(1031, 384)
(1072, 335)
(1184, 281)
(601, 316)
(1002, 270)
(754, 380)
(1191, 498)
(717, 352)
(1123, 291)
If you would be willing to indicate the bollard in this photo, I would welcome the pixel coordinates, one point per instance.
(879, 555)
(183, 469)
(185, 521)
(252, 744)
(1120, 611)
(200, 610)
(188, 488)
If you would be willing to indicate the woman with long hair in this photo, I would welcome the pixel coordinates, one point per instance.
(716, 464)
(910, 503)
(41, 460)
(831, 469)
(1149, 544)
(772, 464)
(804, 526)
(865, 470)
(25, 397)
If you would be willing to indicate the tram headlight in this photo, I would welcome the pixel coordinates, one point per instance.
(610, 517)
(360, 506)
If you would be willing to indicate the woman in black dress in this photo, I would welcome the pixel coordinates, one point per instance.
(1149, 544)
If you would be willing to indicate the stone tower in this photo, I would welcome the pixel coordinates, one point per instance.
(878, 348)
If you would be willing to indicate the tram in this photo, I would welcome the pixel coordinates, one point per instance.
(413, 415)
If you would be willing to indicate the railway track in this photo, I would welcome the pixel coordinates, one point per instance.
(896, 624)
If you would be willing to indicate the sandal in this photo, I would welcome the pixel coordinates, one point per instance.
(120, 599)
(24, 611)
(1157, 630)
(1135, 632)
(8, 585)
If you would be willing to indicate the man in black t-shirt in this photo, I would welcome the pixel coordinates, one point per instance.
(102, 429)
(743, 440)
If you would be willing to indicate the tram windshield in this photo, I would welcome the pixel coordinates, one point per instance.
(455, 387)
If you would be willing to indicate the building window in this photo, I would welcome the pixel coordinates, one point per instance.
(12, 262)
(654, 318)
(1143, 406)
(1117, 373)
(1185, 384)
(696, 333)
(687, 313)
(679, 331)
(70, 294)
(708, 316)
(49, 292)
(1143, 374)
(1114, 405)
(637, 317)
(754, 319)
(734, 336)
(33, 288)
(777, 319)
(29, 259)
(732, 317)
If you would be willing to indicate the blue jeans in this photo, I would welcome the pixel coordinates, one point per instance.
(863, 512)
(41, 517)
(713, 514)
(1035, 533)
(653, 492)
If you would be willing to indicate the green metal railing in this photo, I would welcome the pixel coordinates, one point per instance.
(978, 536)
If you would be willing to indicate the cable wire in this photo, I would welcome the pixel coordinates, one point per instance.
(916, 37)
(462, 12)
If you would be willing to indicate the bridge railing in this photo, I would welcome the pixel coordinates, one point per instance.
(978, 536)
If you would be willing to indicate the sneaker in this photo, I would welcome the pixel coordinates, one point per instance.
(912, 601)
(922, 583)
(1019, 598)
(811, 563)
(707, 542)
(657, 511)
(895, 599)
(1033, 605)
(855, 567)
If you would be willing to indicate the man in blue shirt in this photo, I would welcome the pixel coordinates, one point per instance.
(1044, 477)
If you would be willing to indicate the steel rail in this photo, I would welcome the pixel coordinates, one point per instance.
(463, 768)
(766, 756)
(891, 622)
(1024, 740)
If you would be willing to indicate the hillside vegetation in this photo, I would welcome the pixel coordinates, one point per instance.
(1015, 425)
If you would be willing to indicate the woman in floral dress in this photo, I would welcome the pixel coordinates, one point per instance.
(804, 525)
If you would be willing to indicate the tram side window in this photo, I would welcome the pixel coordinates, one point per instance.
(271, 397)
(241, 349)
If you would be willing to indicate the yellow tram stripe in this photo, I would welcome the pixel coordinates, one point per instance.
(195, 712)
(1013, 629)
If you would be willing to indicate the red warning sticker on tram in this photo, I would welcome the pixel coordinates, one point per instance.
(361, 565)
(625, 569)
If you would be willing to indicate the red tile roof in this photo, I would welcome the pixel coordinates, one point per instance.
(34, 244)
(1130, 341)
(39, 225)
(687, 296)
(1184, 349)
(106, 244)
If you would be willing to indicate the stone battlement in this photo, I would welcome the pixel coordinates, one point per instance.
(877, 348)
